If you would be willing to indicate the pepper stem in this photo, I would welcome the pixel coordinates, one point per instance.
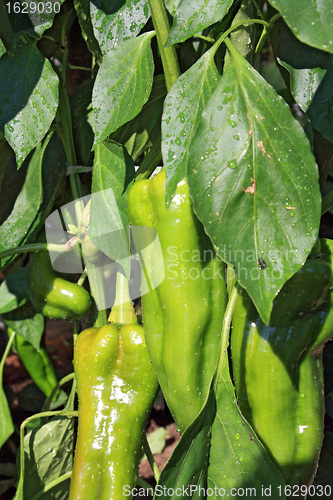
(160, 20)
(122, 313)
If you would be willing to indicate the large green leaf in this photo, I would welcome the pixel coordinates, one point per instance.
(237, 459)
(191, 93)
(117, 21)
(113, 169)
(311, 22)
(122, 85)
(311, 79)
(26, 323)
(48, 453)
(28, 99)
(24, 209)
(254, 182)
(192, 16)
(186, 470)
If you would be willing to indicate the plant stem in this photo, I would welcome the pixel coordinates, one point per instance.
(81, 68)
(5, 354)
(161, 24)
(265, 32)
(122, 313)
(62, 382)
(327, 203)
(150, 458)
(52, 484)
(35, 247)
(83, 277)
(65, 131)
(236, 26)
(226, 330)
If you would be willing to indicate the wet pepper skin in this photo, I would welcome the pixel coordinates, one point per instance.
(183, 316)
(116, 385)
(53, 296)
(278, 370)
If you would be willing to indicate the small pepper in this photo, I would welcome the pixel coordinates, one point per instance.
(53, 296)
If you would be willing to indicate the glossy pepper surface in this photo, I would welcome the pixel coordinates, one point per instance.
(183, 316)
(52, 295)
(116, 385)
(278, 369)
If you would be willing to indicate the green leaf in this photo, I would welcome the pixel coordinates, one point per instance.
(122, 85)
(29, 194)
(113, 169)
(191, 93)
(311, 22)
(139, 134)
(311, 79)
(192, 16)
(82, 8)
(26, 323)
(13, 291)
(82, 131)
(118, 21)
(48, 455)
(237, 459)
(28, 99)
(187, 467)
(254, 182)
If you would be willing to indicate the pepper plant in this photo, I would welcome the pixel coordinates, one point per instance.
(207, 125)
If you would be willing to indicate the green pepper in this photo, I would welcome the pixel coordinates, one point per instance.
(183, 316)
(278, 371)
(116, 385)
(37, 363)
(52, 295)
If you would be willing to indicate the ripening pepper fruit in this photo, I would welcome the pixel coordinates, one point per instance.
(52, 295)
(183, 315)
(278, 370)
(116, 385)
